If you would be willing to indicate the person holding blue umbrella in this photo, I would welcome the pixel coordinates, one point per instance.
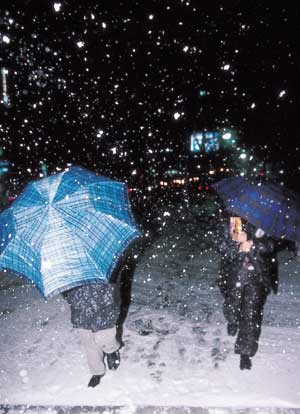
(68, 233)
(258, 214)
(96, 313)
(248, 272)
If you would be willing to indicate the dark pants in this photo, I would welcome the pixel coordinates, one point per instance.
(244, 306)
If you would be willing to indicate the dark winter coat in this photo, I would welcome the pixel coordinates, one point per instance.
(93, 306)
(234, 266)
(101, 305)
(245, 280)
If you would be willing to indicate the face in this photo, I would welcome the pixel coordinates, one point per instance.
(235, 225)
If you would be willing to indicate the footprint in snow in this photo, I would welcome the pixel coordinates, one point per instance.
(219, 351)
(156, 375)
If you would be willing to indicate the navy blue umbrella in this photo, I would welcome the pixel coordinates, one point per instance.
(269, 206)
(66, 230)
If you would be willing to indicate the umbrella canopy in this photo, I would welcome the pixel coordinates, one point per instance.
(66, 230)
(271, 207)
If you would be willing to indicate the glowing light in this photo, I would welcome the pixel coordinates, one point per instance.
(80, 44)
(282, 93)
(6, 39)
(226, 136)
(5, 101)
(57, 6)
(226, 67)
(176, 115)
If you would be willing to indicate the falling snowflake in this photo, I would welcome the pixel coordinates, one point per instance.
(282, 93)
(6, 39)
(57, 6)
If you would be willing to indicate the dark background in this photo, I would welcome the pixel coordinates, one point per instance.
(132, 75)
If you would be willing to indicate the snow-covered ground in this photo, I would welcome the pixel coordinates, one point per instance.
(176, 351)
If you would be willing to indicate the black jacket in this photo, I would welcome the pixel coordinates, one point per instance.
(94, 306)
(100, 305)
(234, 266)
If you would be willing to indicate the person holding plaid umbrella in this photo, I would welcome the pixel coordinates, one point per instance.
(96, 313)
(69, 233)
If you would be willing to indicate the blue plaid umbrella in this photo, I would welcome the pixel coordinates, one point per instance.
(66, 230)
(271, 207)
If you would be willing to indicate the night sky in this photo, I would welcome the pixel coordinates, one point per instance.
(86, 81)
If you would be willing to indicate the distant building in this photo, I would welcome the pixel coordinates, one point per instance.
(205, 142)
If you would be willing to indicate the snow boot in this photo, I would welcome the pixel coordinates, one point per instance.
(232, 329)
(113, 360)
(95, 380)
(245, 362)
